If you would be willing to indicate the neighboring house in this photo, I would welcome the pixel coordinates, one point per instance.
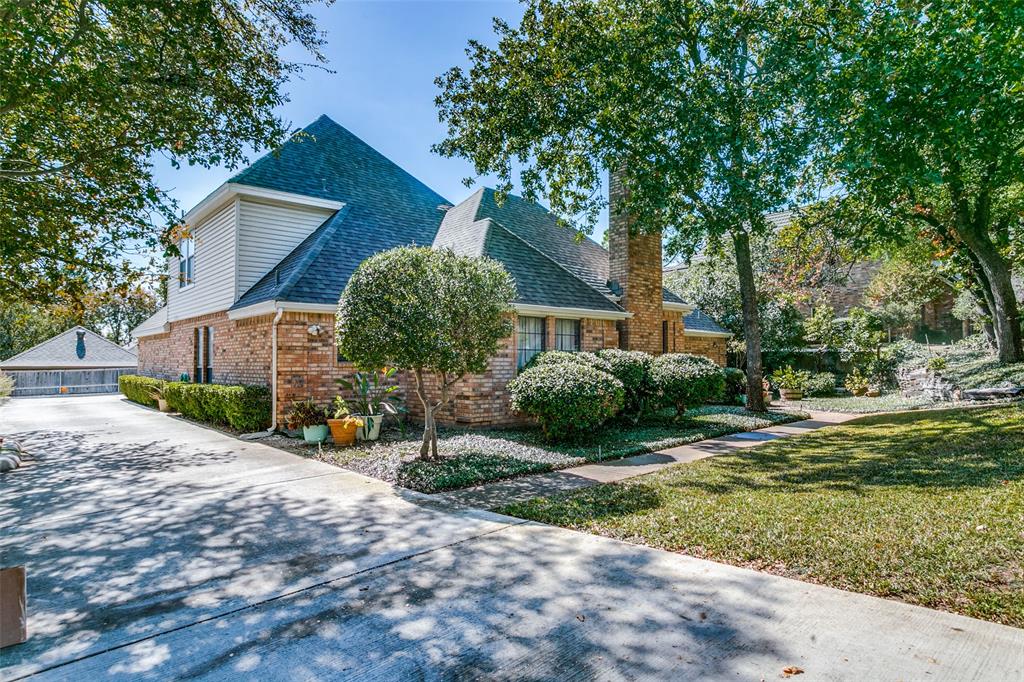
(75, 361)
(253, 297)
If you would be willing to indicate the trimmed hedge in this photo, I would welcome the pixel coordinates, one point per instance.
(685, 380)
(558, 357)
(735, 385)
(568, 399)
(633, 369)
(246, 408)
(138, 388)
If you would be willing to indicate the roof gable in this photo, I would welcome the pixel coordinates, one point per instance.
(78, 347)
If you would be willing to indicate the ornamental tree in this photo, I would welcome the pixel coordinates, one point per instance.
(693, 100)
(91, 91)
(431, 313)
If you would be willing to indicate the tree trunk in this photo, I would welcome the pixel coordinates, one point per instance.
(428, 447)
(994, 271)
(751, 322)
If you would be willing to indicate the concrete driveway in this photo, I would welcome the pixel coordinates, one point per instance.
(158, 549)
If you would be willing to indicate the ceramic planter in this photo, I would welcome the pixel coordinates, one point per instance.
(315, 434)
(162, 405)
(873, 393)
(767, 398)
(860, 391)
(370, 430)
(791, 393)
(344, 430)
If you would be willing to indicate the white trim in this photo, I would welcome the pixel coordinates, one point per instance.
(684, 308)
(163, 329)
(229, 190)
(270, 307)
(568, 313)
(701, 332)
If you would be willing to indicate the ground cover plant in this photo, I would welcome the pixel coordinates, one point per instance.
(926, 507)
(472, 457)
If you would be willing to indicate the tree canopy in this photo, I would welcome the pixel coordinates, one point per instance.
(435, 314)
(921, 113)
(693, 99)
(91, 90)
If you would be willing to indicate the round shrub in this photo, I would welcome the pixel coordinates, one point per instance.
(558, 357)
(820, 385)
(567, 399)
(735, 385)
(633, 369)
(683, 380)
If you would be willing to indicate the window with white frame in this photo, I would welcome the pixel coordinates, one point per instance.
(529, 339)
(186, 262)
(567, 335)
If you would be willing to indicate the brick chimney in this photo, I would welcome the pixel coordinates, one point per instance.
(635, 265)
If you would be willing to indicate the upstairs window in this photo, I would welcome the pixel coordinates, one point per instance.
(567, 335)
(186, 262)
(529, 339)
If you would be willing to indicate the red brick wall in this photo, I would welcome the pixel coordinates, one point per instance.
(708, 346)
(241, 349)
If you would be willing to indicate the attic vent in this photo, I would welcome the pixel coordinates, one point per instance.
(80, 345)
(444, 208)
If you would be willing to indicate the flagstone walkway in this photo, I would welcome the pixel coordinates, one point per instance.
(493, 495)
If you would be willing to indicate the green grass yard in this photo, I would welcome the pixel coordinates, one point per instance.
(472, 457)
(923, 507)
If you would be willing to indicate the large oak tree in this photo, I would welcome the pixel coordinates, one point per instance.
(694, 99)
(90, 90)
(922, 106)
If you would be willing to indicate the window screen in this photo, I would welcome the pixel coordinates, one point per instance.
(567, 335)
(186, 262)
(529, 339)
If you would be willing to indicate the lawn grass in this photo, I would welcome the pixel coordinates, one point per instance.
(851, 404)
(473, 457)
(927, 508)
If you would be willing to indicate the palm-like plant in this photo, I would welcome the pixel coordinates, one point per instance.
(374, 392)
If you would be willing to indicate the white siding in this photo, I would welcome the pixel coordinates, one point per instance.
(214, 269)
(267, 233)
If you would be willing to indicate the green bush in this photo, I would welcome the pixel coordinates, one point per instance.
(6, 385)
(567, 399)
(735, 386)
(139, 389)
(685, 380)
(246, 408)
(820, 385)
(558, 357)
(633, 369)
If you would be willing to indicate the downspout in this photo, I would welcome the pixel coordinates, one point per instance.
(273, 369)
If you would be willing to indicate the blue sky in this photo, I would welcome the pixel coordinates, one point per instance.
(385, 56)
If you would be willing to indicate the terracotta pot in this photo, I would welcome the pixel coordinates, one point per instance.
(873, 393)
(791, 394)
(344, 430)
(860, 391)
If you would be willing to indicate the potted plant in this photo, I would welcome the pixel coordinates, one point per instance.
(343, 425)
(766, 391)
(312, 419)
(874, 390)
(791, 382)
(374, 394)
(856, 383)
(157, 394)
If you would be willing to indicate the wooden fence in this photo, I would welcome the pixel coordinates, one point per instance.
(66, 381)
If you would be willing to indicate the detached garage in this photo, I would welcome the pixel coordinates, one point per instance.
(77, 361)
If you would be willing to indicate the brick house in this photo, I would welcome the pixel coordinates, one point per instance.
(253, 296)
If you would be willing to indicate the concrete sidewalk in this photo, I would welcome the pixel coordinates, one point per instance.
(157, 549)
(493, 495)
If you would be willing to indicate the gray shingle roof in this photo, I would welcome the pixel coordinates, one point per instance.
(697, 321)
(77, 348)
(384, 207)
